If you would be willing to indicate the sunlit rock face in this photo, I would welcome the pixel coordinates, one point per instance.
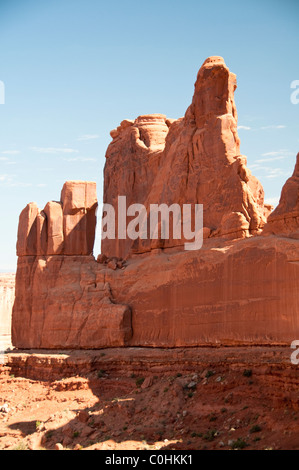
(241, 287)
(194, 160)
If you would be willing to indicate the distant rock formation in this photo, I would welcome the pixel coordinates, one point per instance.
(7, 297)
(241, 287)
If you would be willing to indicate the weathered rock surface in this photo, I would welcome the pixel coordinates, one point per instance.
(27, 231)
(62, 301)
(194, 160)
(241, 287)
(285, 218)
(79, 202)
(132, 163)
(82, 312)
(238, 292)
(64, 227)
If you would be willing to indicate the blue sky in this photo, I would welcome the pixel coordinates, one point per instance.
(74, 69)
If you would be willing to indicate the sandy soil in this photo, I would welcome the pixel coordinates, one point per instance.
(229, 399)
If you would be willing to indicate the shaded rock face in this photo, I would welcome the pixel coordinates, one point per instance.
(193, 160)
(240, 288)
(285, 218)
(63, 302)
(64, 227)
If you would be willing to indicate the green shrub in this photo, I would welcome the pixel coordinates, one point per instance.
(139, 381)
(255, 428)
(210, 435)
(209, 374)
(239, 444)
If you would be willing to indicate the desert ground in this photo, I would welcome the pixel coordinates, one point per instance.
(143, 398)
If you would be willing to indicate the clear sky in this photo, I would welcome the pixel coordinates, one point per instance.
(74, 69)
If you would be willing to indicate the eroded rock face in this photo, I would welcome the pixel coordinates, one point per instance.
(27, 231)
(79, 202)
(64, 227)
(7, 297)
(240, 288)
(193, 160)
(60, 302)
(230, 292)
(63, 302)
(132, 163)
(285, 218)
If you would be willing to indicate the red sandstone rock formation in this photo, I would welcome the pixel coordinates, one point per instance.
(83, 314)
(63, 302)
(132, 163)
(193, 160)
(233, 292)
(65, 227)
(7, 296)
(239, 288)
